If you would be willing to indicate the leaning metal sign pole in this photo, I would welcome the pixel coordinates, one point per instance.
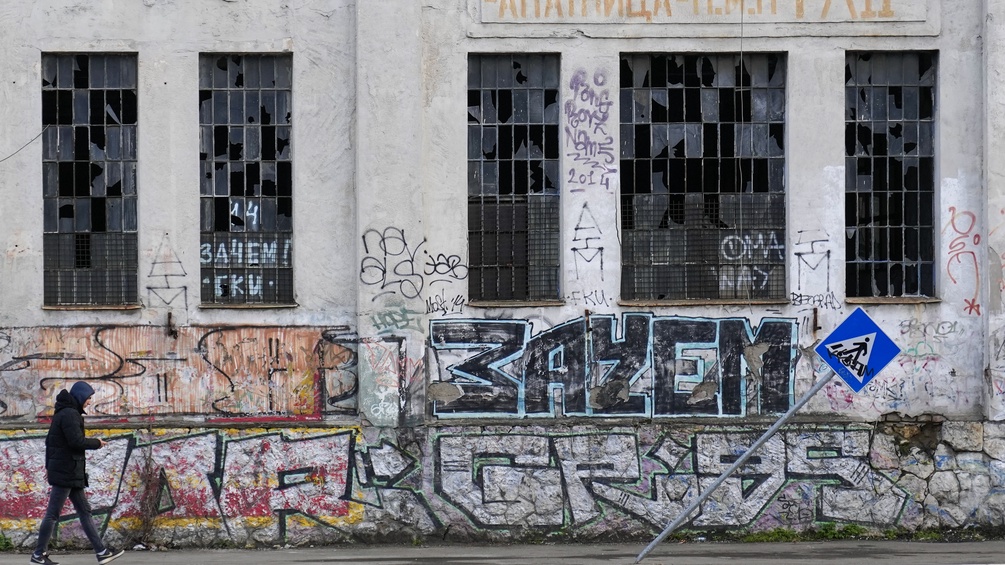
(740, 461)
(856, 350)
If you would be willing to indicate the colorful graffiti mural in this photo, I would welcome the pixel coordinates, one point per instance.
(241, 485)
(651, 366)
(141, 372)
(316, 485)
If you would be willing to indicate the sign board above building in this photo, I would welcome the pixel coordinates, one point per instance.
(702, 11)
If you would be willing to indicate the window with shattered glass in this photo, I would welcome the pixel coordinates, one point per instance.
(703, 176)
(89, 179)
(513, 177)
(246, 216)
(890, 173)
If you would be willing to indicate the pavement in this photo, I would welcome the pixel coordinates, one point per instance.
(845, 552)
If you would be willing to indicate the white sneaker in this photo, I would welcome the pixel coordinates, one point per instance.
(109, 554)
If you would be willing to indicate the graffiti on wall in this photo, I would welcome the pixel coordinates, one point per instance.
(933, 373)
(813, 264)
(996, 375)
(963, 261)
(401, 319)
(589, 145)
(138, 372)
(555, 480)
(589, 366)
(826, 301)
(585, 242)
(302, 485)
(926, 343)
(167, 266)
(590, 298)
(226, 484)
(443, 305)
(399, 266)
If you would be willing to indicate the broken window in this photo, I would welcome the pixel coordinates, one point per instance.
(245, 154)
(890, 174)
(89, 179)
(703, 176)
(513, 177)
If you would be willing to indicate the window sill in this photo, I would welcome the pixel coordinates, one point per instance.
(702, 302)
(92, 307)
(514, 303)
(247, 306)
(892, 300)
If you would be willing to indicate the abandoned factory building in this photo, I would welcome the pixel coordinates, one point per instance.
(502, 270)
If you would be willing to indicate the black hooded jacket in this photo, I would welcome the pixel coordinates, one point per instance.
(65, 444)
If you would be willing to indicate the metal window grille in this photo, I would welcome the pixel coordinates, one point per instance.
(246, 217)
(890, 173)
(703, 176)
(513, 177)
(89, 244)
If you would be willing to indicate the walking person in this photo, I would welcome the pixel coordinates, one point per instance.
(65, 447)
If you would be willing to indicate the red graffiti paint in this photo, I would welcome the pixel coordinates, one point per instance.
(267, 474)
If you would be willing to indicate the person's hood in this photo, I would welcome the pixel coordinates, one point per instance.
(81, 391)
(65, 400)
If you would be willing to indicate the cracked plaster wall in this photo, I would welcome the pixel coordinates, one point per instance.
(380, 181)
(505, 483)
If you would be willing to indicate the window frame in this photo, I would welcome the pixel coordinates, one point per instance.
(514, 205)
(692, 204)
(256, 185)
(925, 279)
(89, 182)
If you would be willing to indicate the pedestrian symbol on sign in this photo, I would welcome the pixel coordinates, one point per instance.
(854, 353)
(857, 350)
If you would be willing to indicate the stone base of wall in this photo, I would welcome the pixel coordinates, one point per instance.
(213, 487)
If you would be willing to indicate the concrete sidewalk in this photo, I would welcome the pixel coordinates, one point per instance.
(830, 553)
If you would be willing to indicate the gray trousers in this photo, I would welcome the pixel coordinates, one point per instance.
(57, 498)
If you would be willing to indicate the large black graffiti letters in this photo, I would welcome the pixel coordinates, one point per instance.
(671, 389)
(618, 363)
(775, 385)
(557, 357)
(732, 339)
(772, 363)
(485, 386)
(662, 366)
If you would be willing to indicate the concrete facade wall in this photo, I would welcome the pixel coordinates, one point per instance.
(343, 418)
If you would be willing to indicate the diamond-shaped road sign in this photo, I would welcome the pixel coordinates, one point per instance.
(857, 350)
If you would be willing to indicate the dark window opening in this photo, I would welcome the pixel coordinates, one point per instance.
(89, 137)
(513, 184)
(245, 116)
(703, 176)
(890, 173)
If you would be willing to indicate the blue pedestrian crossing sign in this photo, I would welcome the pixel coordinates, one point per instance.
(857, 350)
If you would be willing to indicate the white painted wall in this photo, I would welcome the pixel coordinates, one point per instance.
(942, 371)
(380, 142)
(168, 37)
(994, 170)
